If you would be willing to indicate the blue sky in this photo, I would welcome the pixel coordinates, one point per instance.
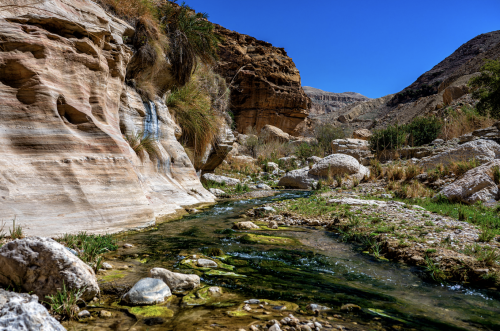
(374, 47)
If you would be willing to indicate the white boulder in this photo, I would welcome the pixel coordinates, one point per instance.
(147, 291)
(42, 265)
(21, 311)
(176, 281)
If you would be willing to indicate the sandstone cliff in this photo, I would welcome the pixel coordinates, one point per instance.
(266, 85)
(328, 102)
(64, 163)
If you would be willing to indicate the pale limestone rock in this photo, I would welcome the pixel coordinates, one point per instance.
(21, 311)
(245, 226)
(363, 134)
(357, 148)
(65, 110)
(147, 291)
(482, 150)
(244, 159)
(361, 202)
(335, 164)
(299, 179)
(42, 266)
(206, 263)
(220, 179)
(475, 185)
(176, 281)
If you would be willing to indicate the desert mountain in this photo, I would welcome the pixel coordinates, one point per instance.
(445, 83)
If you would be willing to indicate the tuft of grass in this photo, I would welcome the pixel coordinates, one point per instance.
(64, 303)
(434, 270)
(144, 145)
(485, 254)
(191, 106)
(414, 189)
(90, 247)
(486, 235)
(241, 188)
(3, 234)
(17, 231)
(412, 171)
(496, 174)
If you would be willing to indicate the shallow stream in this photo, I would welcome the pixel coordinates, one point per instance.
(313, 267)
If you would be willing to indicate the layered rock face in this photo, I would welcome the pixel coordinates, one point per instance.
(65, 165)
(266, 85)
(328, 102)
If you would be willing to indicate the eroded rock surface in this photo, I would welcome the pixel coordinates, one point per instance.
(64, 163)
(267, 83)
(147, 291)
(21, 311)
(475, 185)
(481, 150)
(42, 265)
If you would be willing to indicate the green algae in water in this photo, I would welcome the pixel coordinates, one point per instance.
(380, 312)
(192, 263)
(199, 297)
(152, 311)
(269, 240)
(113, 275)
(223, 273)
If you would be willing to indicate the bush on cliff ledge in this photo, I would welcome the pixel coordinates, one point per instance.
(486, 88)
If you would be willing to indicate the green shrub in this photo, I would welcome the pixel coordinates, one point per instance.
(192, 39)
(17, 231)
(423, 130)
(496, 174)
(393, 137)
(306, 150)
(325, 133)
(486, 88)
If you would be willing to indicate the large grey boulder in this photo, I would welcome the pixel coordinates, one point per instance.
(482, 150)
(475, 185)
(357, 148)
(42, 265)
(147, 291)
(208, 177)
(299, 179)
(176, 281)
(21, 311)
(335, 164)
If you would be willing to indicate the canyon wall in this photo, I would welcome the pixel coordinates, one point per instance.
(65, 165)
(265, 84)
(328, 102)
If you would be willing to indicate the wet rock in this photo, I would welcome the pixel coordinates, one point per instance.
(147, 291)
(206, 263)
(105, 314)
(20, 311)
(274, 327)
(273, 225)
(128, 245)
(176, 281)
(317, 308)
(350, 307)
(253, 301)
(245, 226)
(42, 266)
(107, 266)
(84, 314)
(208, 177)
(214, 291)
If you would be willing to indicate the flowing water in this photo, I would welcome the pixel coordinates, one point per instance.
(317, 268)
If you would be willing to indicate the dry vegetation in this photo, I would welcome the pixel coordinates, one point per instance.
(462, 121)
